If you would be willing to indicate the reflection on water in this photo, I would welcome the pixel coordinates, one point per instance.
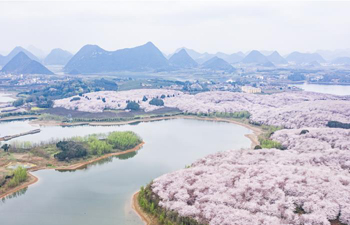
(100, 162)
(134, 123)
(127, 155)
(15, 194)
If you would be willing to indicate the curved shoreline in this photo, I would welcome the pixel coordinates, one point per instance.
(253, 137)
(146, 219)
(76, 166)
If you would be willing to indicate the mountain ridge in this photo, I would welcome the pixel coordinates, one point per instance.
(182, 59)
(93, 59)
(22, 64)
(5, 59)
(57, 56)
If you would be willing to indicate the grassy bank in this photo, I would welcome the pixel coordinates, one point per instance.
(149, 203)
(13, 179)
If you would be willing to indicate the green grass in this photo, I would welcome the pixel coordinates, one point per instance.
(36, 109)
(267, 143)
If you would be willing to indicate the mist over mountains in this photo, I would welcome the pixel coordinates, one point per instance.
(217, 63)
(91, 59)
(5, 59)
(58, 57)
(300, 58)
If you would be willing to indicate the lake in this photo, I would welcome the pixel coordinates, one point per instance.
(101, 193)
(5, 97)
(326, 89)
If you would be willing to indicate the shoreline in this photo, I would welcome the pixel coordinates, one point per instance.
(253, 137)
(33, 179)
(84, 164)
(146, 219)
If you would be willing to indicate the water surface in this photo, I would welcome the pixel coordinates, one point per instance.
(101, 194)
(326, 89)
(5, 97)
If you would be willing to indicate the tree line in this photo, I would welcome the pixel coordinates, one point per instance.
(149, 202)
(95, 145)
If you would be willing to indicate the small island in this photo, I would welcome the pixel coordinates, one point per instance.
(70, 154)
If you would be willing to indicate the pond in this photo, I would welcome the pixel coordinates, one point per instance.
(101, 193)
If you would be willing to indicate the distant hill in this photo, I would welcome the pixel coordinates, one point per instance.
(196, 56)
(304, 58)
(332, 55)
(204, 57)
(58, 57)
(200, 58)
(255, 57)
(74, 72)
(41, 54)
(342, 60)
(276, 58)
(217, 63)
(182, 60)
(93, 59)
(233, 58)
(314, 64)
(241, 54)
(22, 64)
(2, 59)
(5, 59)
(267, 64)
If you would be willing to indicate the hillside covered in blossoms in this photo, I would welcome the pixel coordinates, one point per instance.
(309, 183)
(290, 110)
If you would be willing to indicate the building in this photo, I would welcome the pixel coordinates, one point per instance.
(251, 90)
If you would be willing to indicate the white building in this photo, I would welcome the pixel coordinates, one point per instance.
(251, 90)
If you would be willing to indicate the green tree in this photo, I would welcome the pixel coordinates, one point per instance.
(19, 176)
(18, 102)
(133, 106)
(157, 102)
(123, 140)
(6, 147)
(98, 147)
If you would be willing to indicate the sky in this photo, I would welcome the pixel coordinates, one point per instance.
(206, 26)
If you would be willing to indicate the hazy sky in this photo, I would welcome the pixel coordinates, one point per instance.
(203, 26)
